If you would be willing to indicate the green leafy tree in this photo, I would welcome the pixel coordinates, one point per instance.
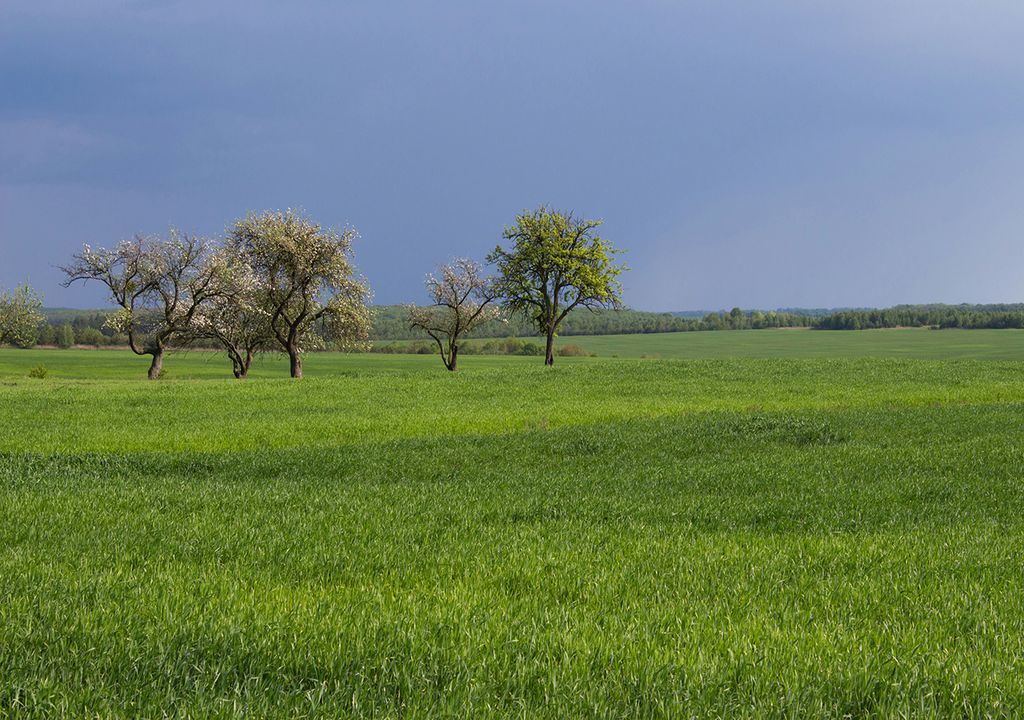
(65, 336)
(555, 263)
(20, 316)
(89, 336)
(47, 334)
(306, 279)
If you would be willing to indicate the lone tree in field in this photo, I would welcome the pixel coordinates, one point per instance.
(462, 300)
(158, 284)
(556, 263)
(20, 316)
(236, 318)
(308, 284)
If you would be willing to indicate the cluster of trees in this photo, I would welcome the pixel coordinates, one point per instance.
(66, 335)
(277, 281)
(996, 316)
(553, 263)
(737, 319)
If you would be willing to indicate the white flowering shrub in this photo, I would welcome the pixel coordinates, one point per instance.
(20, 316)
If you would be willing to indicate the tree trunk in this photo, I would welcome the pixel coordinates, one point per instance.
(236, 365)
(239, 364)
(157, 365)
(453, 362)
(549, 352)
(296, 361)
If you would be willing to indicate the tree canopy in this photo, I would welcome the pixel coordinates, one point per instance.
(158, 285)
(306, 281)
(556, 262)
(20, 316)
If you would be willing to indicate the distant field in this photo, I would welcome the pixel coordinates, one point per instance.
(727, 537)
(911, 343)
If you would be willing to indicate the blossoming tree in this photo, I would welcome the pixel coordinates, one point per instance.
(307, 282)
(20, 316)
(158, 284)
(462, 298)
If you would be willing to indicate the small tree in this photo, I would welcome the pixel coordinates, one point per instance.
(47, 334)
(65, 336)
(236, 319)
(20, 316)
(462, 299)
(158, 284)
(308, 284)
(556, 263)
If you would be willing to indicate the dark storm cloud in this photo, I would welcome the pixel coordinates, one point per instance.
(752, 153)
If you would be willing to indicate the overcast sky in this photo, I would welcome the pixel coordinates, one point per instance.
(761, 154)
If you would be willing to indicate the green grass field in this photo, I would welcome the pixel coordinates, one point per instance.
(733, 536)
(912, 343)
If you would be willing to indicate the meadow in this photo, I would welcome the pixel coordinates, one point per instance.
(829, 530)
(921, 343)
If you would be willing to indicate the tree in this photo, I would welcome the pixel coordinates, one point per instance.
(556, 263)
(89, 336)
(20, 316)
(47, 334)
(462, 299)
(308, 283)
(236, 319)
(65, 336)
(159, 285)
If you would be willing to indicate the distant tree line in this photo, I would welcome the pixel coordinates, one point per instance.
(994, 316)
(391, 322)
(495, 346)
(66, 328)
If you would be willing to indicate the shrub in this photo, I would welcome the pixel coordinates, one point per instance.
(47, 335)
(89, 336)
(572, 350)
(38, 372)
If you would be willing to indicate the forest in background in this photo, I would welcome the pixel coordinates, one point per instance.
(66, 327)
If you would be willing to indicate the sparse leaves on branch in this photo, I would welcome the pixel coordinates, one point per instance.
(462, 299)
(158, 285)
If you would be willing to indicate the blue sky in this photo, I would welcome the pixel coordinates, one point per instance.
(761, 154)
